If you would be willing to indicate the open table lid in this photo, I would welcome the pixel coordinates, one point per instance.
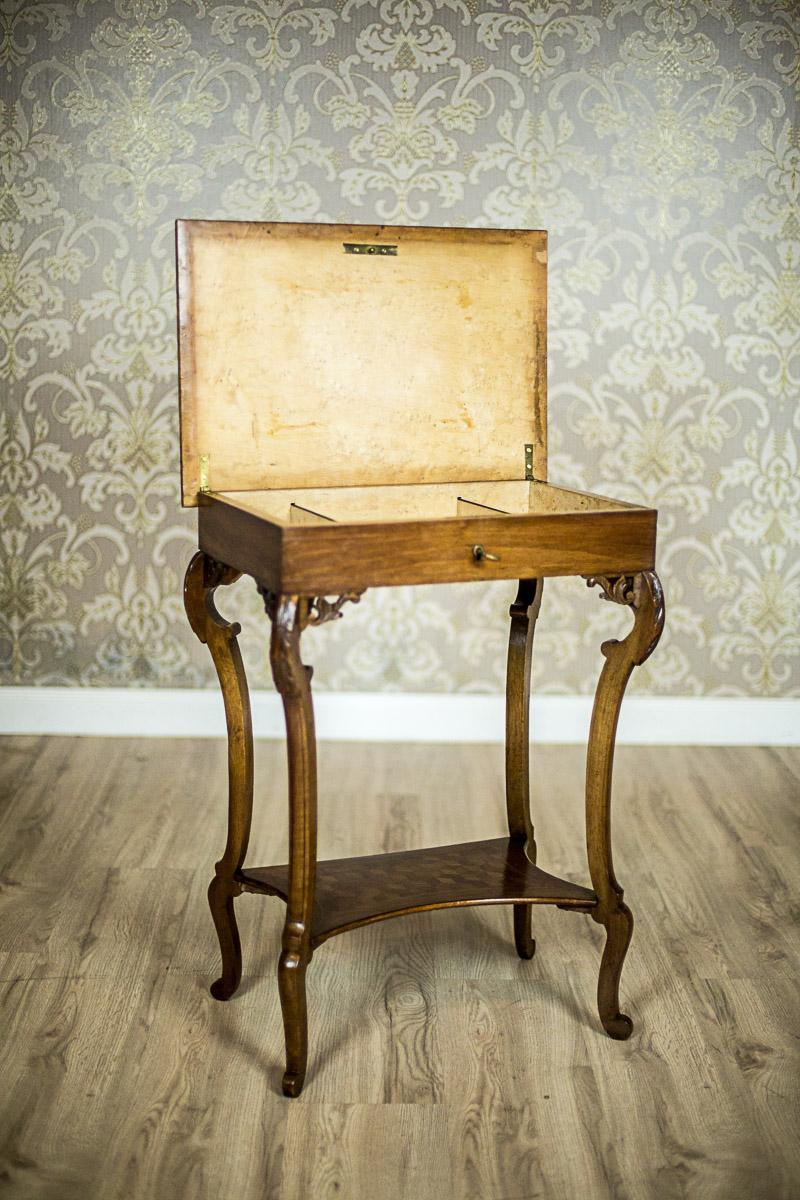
(350, 355)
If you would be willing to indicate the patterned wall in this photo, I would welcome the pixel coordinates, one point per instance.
(658, 142)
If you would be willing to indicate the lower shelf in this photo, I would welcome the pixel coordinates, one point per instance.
(356, 891)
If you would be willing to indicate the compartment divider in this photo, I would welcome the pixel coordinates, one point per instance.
(299, 515)
(466, 508)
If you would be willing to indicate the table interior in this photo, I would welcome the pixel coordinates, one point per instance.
(413, 502)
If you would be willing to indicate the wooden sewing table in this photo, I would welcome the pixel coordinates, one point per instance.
(365, 407)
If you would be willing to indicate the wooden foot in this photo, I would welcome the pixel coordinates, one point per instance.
(523, 613)
(643, 595)
(220, 901)
(292, 987)
(203, 577)
(619, 929)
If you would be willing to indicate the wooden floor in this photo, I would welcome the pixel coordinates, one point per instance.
(442, 1066)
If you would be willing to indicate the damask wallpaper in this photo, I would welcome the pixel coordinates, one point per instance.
(657, 141)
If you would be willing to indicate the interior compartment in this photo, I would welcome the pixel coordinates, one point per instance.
(412, 502)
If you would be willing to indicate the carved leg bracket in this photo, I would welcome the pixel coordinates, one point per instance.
(641, 593)
(203, 577)
(523, 612)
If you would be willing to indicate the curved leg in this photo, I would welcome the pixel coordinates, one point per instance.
(523, 613)
(293, 680)
(203, 577)
(643, 595)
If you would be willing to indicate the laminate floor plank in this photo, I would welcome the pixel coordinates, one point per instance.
(200, 1121)
(442, 1066)
(345, 1151)
(37, 793)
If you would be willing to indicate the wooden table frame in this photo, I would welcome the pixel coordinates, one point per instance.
(329, 898)
(366, 406)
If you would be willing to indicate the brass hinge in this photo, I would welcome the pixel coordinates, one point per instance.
(529, 460)
(204, 488)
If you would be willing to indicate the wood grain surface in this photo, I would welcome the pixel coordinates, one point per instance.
(444, 1066)
(331, 556)
(355, 891)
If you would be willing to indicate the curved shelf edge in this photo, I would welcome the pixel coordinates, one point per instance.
(352, 892)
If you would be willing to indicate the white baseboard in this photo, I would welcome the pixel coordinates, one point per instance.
(397, 716)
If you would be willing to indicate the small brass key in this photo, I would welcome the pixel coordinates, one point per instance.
(480, 554)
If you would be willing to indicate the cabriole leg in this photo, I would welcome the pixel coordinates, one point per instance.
(642, 593)
(293, 680)
(523, 613)
(203, 577)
